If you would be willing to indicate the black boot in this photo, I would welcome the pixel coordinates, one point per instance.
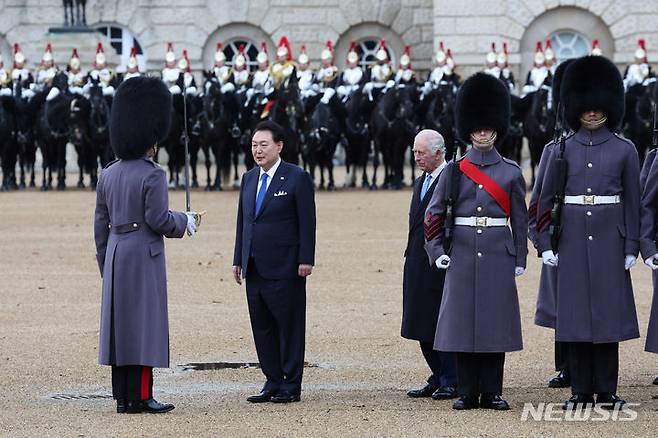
(609, 401)
(121, 406)
(562, 380)
(150, 406)
(578, 401)
(466, 402)
(493, 401)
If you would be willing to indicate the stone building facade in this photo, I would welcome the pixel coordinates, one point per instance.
(467, 27)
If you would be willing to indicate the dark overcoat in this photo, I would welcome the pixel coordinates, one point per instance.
(648, 233)
(480, 305)
(594, 292)
(132, 216)
(422, 286)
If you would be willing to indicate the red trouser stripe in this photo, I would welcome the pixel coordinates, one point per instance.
(146, 383)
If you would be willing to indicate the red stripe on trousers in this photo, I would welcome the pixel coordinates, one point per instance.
(146, 383)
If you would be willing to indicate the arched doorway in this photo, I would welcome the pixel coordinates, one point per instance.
(232, 36)
(571, 31)
(367, 36)
(122, 41)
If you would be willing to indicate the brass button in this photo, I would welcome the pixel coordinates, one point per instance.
(590, 238)
(109, 226)
(480, 186)
(479, 231)
(479, 209)
(589, 165)
(589, 213)
(134, 225)
(479, 254)
(589, 190)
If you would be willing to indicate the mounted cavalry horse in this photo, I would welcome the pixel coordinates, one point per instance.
(638, 119)
(357, 134)
(393, 127)
(8, 146)
(288, 111)
(52, 130)
(437, 113)
(25, 112)
(538, 115)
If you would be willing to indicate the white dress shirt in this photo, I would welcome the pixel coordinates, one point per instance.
(270, 176)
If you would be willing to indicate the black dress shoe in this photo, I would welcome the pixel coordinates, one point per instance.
(150, 406)
(610, 401)
(121, 406)
(493, 401)
(445, 393)
(562, 380)
(578, 401)
(466, 402)
(285, 397)
(425, 391)
(263, 397)
(655, 381)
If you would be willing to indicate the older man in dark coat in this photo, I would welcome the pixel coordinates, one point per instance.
(479, 317)
(599, 236)
(423, 283)
(132, 216)
(545, 312)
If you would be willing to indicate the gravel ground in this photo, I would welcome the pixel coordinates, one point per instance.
(360, 367)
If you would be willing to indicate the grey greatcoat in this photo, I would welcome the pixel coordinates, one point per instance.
(423, 283)
(648, 234)
(546, 301)
(594, 292)
(132, 215)
(480, 307)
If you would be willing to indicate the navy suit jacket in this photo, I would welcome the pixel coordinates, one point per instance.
(282, 235)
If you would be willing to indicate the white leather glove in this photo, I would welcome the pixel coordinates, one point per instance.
(367, 88)
(328, 94)
(629, 261)
(175, 89)
(518, 271)
(5, 92)
(549, 259)
(53, 93)
(228, 88)
(443, 262)
(652, 262)
(191, 223)
(390, 84)
(190, 91)
(108, 91)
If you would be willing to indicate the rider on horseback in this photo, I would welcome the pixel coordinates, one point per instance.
(75, 74)
(350, 80)
(101, 72)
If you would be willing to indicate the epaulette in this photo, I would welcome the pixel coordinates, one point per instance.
(512, 162)
(621, 137)
(111, 163)
(150, 161)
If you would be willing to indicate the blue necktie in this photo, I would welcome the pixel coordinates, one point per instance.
(426, 186)
(261, 193)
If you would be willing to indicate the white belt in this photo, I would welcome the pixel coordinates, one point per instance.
(474, 221)
(592, 199)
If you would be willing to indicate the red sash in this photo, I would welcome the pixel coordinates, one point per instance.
(478, 177)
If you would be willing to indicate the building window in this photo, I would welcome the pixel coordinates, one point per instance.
(122, 41)
(367, 49)
(569, 45)
(250, 50)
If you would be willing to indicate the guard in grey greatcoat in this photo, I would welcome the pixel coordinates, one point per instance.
(132, 215)
(423, 283)
(599, 236)
(648, 234)
(545, 312)
(479, 317)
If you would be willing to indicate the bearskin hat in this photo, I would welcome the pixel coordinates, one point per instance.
(483, 101)
(557, 81)
(140, 116)
(592, 83)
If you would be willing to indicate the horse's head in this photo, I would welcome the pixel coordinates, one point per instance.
(61, 81)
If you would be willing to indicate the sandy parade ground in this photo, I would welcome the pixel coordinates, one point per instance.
(359, 368)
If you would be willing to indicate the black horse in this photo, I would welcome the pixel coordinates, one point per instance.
(322, 137)
(52, 131)
(288, 112)
(209, 134)
(538, 125)
(79, 135)
(639, 116)
(8, 145)
(357, 134)
(437, 112)
(174, 141)
(393, 127)
(25, 111)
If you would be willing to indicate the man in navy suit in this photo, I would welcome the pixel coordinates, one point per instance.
(422, 288)
(275, 252)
